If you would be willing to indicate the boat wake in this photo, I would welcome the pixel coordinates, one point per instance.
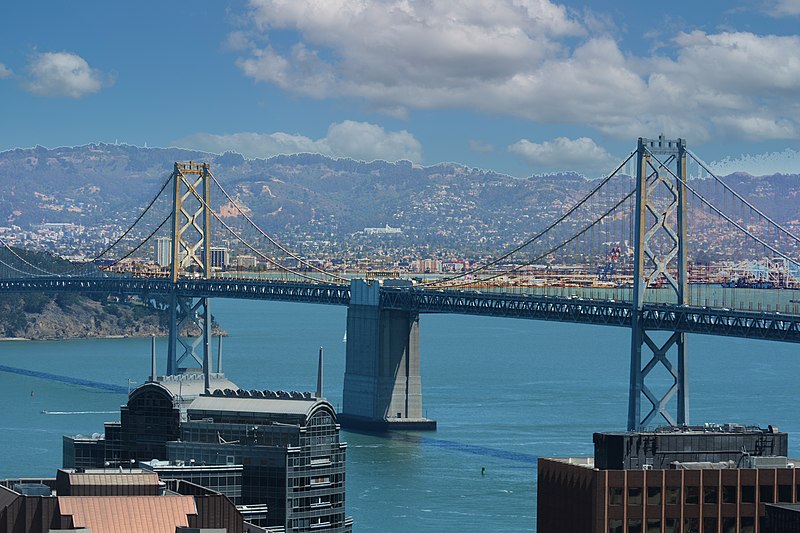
(78, 412)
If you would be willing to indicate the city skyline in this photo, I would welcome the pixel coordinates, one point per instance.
(517, 87)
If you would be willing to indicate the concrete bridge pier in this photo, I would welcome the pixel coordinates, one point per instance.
(382, 384)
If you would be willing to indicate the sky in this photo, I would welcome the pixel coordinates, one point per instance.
(520, 87)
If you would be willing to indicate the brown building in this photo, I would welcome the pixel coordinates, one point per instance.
(106, 502)
(701, 492)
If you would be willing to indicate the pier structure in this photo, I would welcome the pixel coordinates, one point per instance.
(382, 382)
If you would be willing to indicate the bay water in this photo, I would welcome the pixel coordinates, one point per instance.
(503, 391)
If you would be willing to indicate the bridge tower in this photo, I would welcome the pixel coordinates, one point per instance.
(659, 275)
(191, 255)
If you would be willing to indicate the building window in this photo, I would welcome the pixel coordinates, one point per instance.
(709, 494)
(653, 525)
(671, 525)
(634, 495)
(615, 495)
(785, 493)
(748, 494)
(634, 525)
(692, 495)
(748, 525)
(615, 526)
(673, 496)
(710, 524)
(653, 495)
(729, 525)
(729, 494)
(691, 525)
(766, 494)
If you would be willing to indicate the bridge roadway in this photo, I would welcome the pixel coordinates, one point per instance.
(702, 320)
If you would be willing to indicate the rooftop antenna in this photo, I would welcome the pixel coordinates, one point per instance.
(219, 354)
(319, 374)
(153, 358)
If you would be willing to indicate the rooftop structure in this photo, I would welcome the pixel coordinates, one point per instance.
(104, 502)
(713, 478)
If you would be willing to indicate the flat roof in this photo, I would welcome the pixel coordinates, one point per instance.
(254, 405)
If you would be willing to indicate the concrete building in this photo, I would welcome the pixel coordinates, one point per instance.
(709, 479)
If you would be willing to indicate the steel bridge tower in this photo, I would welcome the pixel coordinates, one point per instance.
(659, 265)
(191, 255)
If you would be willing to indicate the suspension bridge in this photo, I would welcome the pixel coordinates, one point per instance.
(661, 245)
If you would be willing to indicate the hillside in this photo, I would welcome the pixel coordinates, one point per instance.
(309, 198)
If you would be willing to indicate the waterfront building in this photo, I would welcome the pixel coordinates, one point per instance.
(276, 455)
(704, 479)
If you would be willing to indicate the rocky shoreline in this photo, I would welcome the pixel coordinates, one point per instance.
(51, 317)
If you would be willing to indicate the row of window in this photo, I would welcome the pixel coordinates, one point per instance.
(694, 495)
(690, 525)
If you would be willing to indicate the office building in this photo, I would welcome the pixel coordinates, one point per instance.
(276, 455)
(709, 479)
(164, 251)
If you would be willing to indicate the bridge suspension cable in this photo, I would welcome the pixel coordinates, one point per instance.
(274, 242)
(725, 217)
(742, 199)
(130, 228)
(553, 249)
(538, 235)
(15, 254)
(142, 243)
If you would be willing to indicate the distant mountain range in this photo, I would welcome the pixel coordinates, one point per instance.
(308, 197)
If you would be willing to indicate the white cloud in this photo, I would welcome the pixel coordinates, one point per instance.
(357, 140)
(480, 147)
(782, 8)
(5, 72)
(527, 58)
(63, 74)
(562, 154)
(786, 162)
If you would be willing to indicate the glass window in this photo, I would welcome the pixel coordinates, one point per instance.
(634, 525)
(748, 525)
(615, 526)
(614, 495)
(671, 525)
(653, 495)
(766, 494)
(729, 525)
(748, 494)
(634, 495)
(653, 525)
(785, 493)
(709, 494)
(691, 525)
(692, 495)
(729, 494)
(710, 524)
(673, 496)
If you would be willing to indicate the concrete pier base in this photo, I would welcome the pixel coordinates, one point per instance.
(382, 385)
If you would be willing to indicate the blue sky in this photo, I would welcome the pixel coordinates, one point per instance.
(516, 86)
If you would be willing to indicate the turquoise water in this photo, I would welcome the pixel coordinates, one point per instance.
(503, 391)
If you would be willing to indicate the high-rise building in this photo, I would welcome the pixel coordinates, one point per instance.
(704, 479)
(164, 251)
